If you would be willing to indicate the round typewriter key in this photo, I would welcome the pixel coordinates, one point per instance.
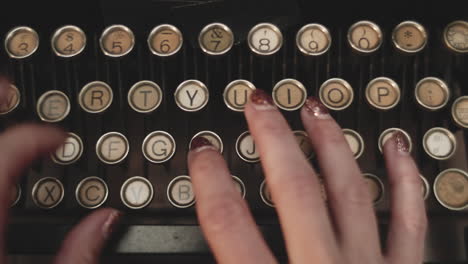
(304, 143)
(387, 134)
(159, 147)
(245, 148)
(53, 106)
(265, 39)
(237, 93)
(313, 39)
(137, 192)
(376, 187)
(91, 192)
(265, 194)
(409, 36)
(365, 36)
(21, 42)
(145, 96)
(95, 97)
(191, 95)
(432, 93)
(47, 193)
(451, 189)
(11, 100)
(383, 93)
(355, 142)
(216, 39)
(336, 94)
(112, 148)
(425, 187)
(15, 195)
(165, 40)
(460, 111)
(456, 36)
(212, 137)
(439, 143)
(289, 94)
(180, 192)
(239, 185)
(68, 41)
(117, 41)
(70, 151)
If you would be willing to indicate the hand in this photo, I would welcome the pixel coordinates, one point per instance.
(346, 233)
(19, 146)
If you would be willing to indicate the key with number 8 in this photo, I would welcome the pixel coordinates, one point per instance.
(265, 39)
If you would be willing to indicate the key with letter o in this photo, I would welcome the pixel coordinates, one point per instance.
(336, 94)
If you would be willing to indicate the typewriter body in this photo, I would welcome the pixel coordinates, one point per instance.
(135, 81)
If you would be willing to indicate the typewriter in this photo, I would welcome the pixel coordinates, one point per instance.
(135, 81)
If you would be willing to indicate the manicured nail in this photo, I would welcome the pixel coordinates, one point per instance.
(401, 142)
(261, 100)
(201, 143)
(315, 108)
(110, 224)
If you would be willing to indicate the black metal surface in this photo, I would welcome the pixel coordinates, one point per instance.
(44, 71)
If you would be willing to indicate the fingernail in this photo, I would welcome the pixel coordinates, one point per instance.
(401, 142)
(201, 143)
(315, 108)
(111, 222)
(261, 100)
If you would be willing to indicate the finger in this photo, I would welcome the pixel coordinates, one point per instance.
(348, 195)
(19, 147)
(405, 242)
(292, 182)
(224, 218)
(84, 243)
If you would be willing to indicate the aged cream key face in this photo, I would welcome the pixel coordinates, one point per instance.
(112, 148)
(47, 193)
(246, 149)
(409, 36)
(237, 94)
(383, 93)
(460, 111)
(91, 192)
(456, 36)
(265, 39)
(289, 94)
(53, 106)
(70, 151)
(68, 41)
(191, 95)
(439, 143)
(432, 93)
(11, 101)
(165, 40)
(313, 39)
(336, 94)
(216, 39)
(137, 192)
(180, 192)
(158, 147)
(117, 41)
(451, 189)
(355, 142)
(376, 187)
(365, 36)
(145, 96)
(21, 42)
(95, 97)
